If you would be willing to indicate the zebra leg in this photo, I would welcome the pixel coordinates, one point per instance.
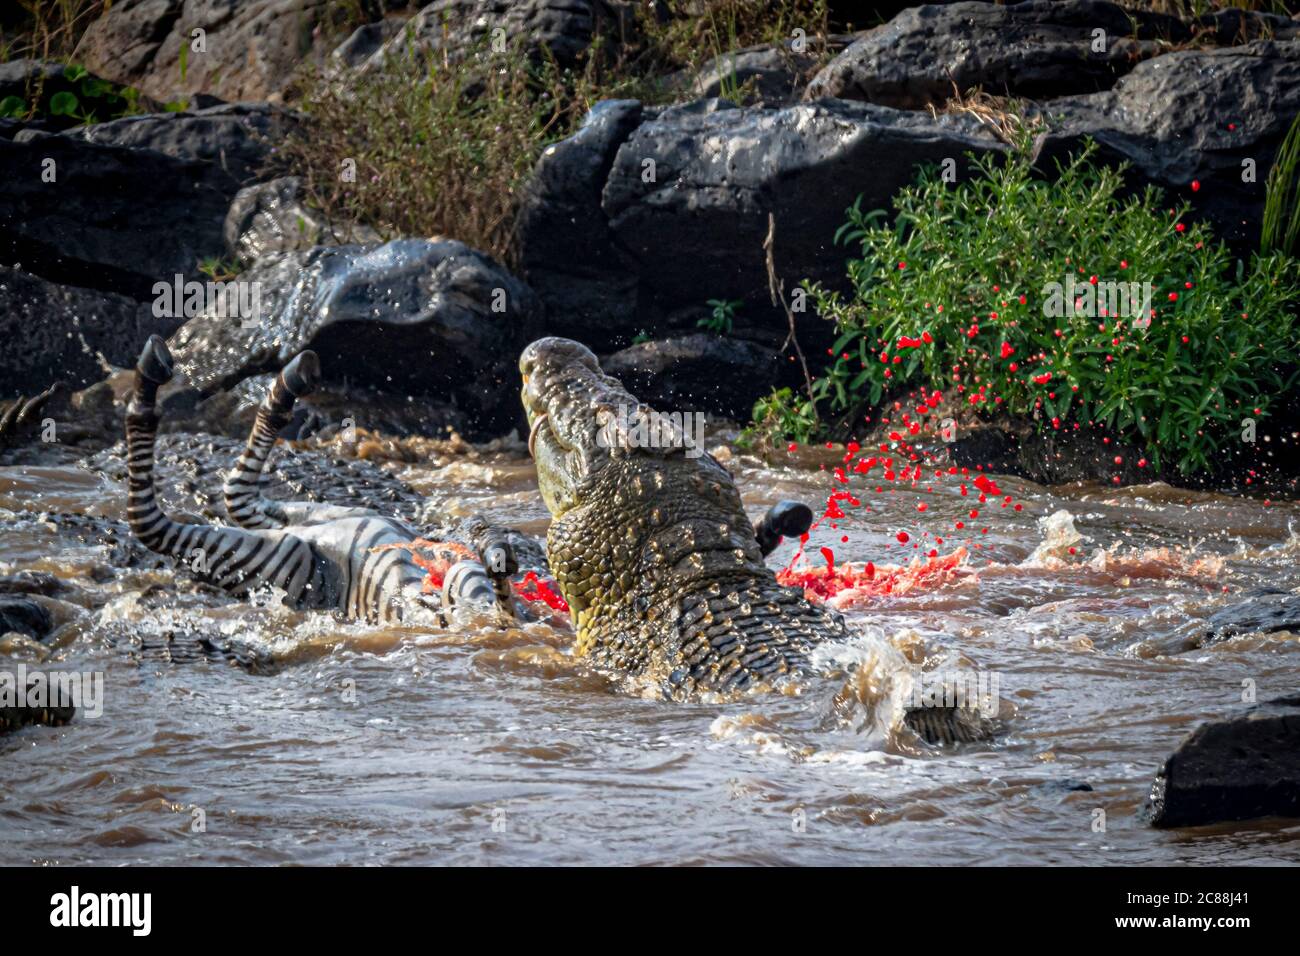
(237, 561)
(245, 504)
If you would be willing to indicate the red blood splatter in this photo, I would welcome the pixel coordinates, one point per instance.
(533, 588)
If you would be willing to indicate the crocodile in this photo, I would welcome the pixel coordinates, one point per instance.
(651, 548)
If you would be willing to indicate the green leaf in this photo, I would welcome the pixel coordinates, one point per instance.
(64, 104)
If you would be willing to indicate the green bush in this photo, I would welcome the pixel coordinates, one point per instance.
(955, 295)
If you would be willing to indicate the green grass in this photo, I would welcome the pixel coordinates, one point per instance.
(965, 269)
(1281, 226)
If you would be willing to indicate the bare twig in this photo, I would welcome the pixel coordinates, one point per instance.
(777, 288)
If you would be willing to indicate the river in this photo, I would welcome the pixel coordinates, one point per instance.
(383, 745)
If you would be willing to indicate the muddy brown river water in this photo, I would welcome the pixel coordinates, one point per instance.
(370, 745)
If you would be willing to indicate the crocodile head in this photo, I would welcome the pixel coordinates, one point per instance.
(649, 541)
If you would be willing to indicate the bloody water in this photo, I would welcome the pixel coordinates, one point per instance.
(372, 744)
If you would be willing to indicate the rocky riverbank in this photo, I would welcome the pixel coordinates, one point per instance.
(624, 229)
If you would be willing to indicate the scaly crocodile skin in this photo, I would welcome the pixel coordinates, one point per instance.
(651, 546)
(652, 549)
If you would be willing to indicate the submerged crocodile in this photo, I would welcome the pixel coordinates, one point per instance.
(651, 548)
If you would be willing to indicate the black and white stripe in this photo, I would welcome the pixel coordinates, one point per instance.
(347, 559)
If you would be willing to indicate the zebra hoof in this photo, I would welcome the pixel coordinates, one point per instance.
(155, 361)
(302, 375)
(789, 518)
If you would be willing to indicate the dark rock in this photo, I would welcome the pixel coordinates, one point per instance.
(1059, 788)
(363, 43)
(456, 29)
(51, 332)
(273, 218)
(1264, 613)
(705, 373)
(1235, 769)
(566, 249)
(413, 316)
(24, 615)
(1038, 49)
(775, 74)
(1192, 115)
(611, 253)
(697, 230)
(252, 49)
(236, 138)
(330, 408)
(115, 218)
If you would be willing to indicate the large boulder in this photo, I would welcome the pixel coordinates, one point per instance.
(272, 218)
(363, 43)
(51, 332)
(1235, 769)
(236, 138)
(1038, 49)
(565, 247)
(642, 215)
(421, 317)
(250, 50)
(25, 615)
(108, 217)
(697, 373)
(1215, 117)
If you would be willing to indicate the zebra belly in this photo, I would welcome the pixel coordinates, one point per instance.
(373, 580)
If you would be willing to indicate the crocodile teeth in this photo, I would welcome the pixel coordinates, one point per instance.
(532, 434)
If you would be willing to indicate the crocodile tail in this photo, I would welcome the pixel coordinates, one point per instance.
(949, 725)
(20, 715)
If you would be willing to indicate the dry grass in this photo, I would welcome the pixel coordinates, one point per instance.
(1006, 117)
